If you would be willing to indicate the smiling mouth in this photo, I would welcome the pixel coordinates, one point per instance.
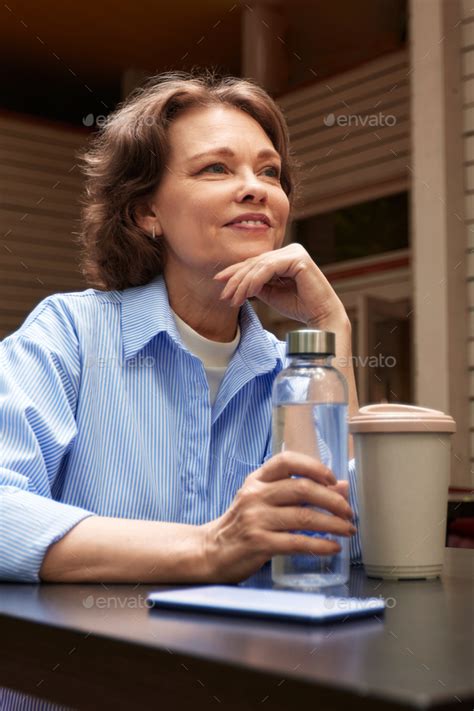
(249, 225)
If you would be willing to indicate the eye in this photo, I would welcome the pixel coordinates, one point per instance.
(213, 165)
(275, 169)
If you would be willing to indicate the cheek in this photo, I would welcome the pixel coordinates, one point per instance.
(186, 212)
(282, 211)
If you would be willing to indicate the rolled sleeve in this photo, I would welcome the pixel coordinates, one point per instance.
(30, 524)
(39, 375)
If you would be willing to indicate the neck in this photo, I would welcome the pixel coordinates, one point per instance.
(197, 304)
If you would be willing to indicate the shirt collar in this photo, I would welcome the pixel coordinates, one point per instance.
(146, 312)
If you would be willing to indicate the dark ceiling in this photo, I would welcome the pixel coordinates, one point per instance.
(62, 59)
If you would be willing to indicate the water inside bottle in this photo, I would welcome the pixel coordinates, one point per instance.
(319, 430)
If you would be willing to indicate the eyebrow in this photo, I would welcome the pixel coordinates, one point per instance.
(223, 151)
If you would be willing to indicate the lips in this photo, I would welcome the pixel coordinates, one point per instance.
(250, 216)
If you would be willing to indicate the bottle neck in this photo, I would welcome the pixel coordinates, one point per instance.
(304, 360)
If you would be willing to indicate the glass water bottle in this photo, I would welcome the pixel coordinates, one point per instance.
(310, 416)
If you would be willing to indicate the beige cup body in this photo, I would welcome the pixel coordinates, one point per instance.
(402, 486)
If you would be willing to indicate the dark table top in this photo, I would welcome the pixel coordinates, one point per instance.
(419, 654)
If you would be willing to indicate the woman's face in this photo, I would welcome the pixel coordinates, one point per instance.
(203, 189)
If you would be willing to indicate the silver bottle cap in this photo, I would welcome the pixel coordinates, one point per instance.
(310, 341)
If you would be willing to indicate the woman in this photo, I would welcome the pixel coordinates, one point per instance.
(137, 413)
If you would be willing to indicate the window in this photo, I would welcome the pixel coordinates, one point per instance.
(362, 230)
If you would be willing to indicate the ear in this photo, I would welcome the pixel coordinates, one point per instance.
(146, 217)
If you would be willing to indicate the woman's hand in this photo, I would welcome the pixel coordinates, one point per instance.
(267, 507)
(286, 279)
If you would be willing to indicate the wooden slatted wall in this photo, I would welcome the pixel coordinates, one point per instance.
(346, 164)
(39, 189)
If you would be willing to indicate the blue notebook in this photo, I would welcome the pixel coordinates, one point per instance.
(275, 604)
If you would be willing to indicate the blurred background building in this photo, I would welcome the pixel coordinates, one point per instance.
(379, 98)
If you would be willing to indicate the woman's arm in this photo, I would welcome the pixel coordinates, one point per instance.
(117, 550)
(257, 526)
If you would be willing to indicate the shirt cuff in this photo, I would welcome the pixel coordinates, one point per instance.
(29, 525)
(354, 541)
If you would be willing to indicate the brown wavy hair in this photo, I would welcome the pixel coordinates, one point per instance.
(124, 162)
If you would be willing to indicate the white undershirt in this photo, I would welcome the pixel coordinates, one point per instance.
(215, 355)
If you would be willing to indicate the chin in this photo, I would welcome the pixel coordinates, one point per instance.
(257, 245)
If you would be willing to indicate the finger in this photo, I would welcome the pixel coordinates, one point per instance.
(227, 272)
(304, 518)
(288, 463)
(234, 279)
(342, 487)
(266, 284)
(291, 492)
(239, 282)
(252, 282)
(287, 543)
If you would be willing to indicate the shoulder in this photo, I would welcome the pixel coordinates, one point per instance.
(58, 317)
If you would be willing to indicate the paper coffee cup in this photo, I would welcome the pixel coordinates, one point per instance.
(402, 455)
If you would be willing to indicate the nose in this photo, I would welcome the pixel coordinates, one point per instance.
(252, 189)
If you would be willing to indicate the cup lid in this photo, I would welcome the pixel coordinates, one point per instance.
(398, 417)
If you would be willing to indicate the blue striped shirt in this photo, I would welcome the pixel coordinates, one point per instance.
(104, 411)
